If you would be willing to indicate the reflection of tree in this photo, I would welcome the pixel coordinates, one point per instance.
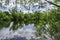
(40, 28)
(21, 24)
(14, 26)
(0, 4)
(4, 16)
(52, 20)
(54, 23)
(40, 20)
(4, 24)
(6, 2)
(17, 25)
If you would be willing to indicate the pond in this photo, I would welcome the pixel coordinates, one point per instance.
(21, 31)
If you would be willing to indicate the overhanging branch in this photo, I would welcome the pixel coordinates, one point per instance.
(53, 4)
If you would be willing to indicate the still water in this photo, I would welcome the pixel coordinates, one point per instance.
(21, 31)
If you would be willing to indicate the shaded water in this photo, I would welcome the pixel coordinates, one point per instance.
(11, 30)
(20, 31)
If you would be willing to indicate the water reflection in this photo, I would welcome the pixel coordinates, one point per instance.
(16, 30)
(24, 30)
(4, 24)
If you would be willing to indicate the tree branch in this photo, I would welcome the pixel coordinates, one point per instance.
(53, 4)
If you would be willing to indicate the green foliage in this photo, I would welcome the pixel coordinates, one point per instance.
(4, 24)
(40, 20)
(4, 16)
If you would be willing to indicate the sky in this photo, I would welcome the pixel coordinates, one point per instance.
(23, 9)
